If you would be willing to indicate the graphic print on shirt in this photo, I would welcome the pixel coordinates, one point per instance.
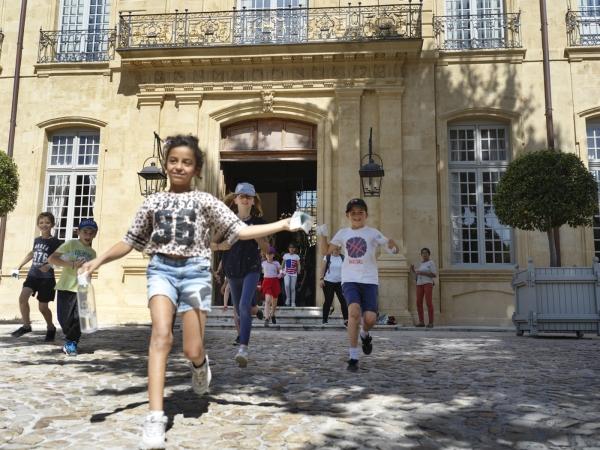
(185, 226)
(356, 247)
(291, 266)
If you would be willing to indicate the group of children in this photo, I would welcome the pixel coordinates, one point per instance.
(175, 229)
(49, 251)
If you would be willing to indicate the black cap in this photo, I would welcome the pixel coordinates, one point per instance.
(356, 202)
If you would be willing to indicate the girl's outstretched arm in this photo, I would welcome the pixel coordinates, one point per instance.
(117, 251)
(258, 231)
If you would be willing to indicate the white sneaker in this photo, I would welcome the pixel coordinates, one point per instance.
(201, 377)
(153, 433)
(242, 357)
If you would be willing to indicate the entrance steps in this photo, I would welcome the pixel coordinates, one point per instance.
(292, 318)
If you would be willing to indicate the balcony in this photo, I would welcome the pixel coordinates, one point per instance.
(245, 27)
(583, 27)
(481, 31)
(76, 46)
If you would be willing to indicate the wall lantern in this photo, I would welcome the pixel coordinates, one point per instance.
(371, 172)
(152, 177)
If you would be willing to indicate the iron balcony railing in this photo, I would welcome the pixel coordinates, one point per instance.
(76, 46)
(583, 27)
(481, 31)
(270, 26)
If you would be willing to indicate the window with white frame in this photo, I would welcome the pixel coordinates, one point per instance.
(70, 188)
(84, 30)
(593, 146)
(475, 24)
(478, 155)
(272, 21)
(590, 21)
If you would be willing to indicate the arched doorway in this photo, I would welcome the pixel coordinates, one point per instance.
(279, 157)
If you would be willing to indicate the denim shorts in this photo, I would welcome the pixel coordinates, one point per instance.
(187, 282)
(363, 294)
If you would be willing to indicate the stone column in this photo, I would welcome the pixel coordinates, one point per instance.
(345, 155)
(393, 269)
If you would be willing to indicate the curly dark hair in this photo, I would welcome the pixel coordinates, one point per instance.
(184, 140)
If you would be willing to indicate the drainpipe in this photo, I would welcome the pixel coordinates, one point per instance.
(13, 111)
(548, 100)
(547, 81)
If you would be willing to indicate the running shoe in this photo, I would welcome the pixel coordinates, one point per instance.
(242, 357)
(429, 325)
(153, 432)
(352, 365)
(367, 345)
(50, 334)
(70, 348)
(201, 377)
(273, 320)
(21, 331)
(260, 315)
(267, 323)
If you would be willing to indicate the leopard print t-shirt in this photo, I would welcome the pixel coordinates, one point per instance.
(182, 224)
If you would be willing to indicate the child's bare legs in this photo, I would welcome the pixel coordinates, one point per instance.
(369, 319)
(45, 310)
(353, 323)
(161, 312)
(24, 305)
(273, 306)
(193, 335)
(267, 307)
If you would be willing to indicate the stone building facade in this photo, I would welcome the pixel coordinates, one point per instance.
(284, 94)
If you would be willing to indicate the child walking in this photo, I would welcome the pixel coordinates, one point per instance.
(241, 263)
(359, 274)
(291, 269)
(175, 228)
(71, 256)
(331, 283)
(424, 276)
(270, 285)
(40, 277)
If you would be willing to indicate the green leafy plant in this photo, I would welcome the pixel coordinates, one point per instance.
(544, 190)
(9, 184)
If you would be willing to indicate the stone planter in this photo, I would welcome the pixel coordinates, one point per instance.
(557, 299)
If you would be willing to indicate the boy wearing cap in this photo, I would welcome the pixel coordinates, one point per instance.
(70, 256)
(360, 279)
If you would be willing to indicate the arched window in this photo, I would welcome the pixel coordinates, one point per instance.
(593, 146)
(478, 155)
(70, 187)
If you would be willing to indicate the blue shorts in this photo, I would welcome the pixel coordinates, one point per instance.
(187, 282)
(363, 294)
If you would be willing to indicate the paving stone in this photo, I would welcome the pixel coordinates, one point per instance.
(436, 390)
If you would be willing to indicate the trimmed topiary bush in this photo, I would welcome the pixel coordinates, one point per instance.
(544, 190)
(9, 184)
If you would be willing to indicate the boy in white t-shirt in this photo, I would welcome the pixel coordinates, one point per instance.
(360, 279)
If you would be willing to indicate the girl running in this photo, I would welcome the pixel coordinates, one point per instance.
(270, 285)
(175, 228)
(291, 269)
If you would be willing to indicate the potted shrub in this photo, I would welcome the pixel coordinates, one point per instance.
(542, 191)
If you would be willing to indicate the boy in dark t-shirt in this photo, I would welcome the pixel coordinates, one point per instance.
(40, 278)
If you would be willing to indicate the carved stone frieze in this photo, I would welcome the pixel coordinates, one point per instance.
(267, 99)
(270, 74)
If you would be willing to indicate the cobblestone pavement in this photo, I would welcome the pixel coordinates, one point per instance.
(426, 389)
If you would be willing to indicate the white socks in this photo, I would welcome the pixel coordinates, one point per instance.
(363, 333)
(354, 352)
(156, 414)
